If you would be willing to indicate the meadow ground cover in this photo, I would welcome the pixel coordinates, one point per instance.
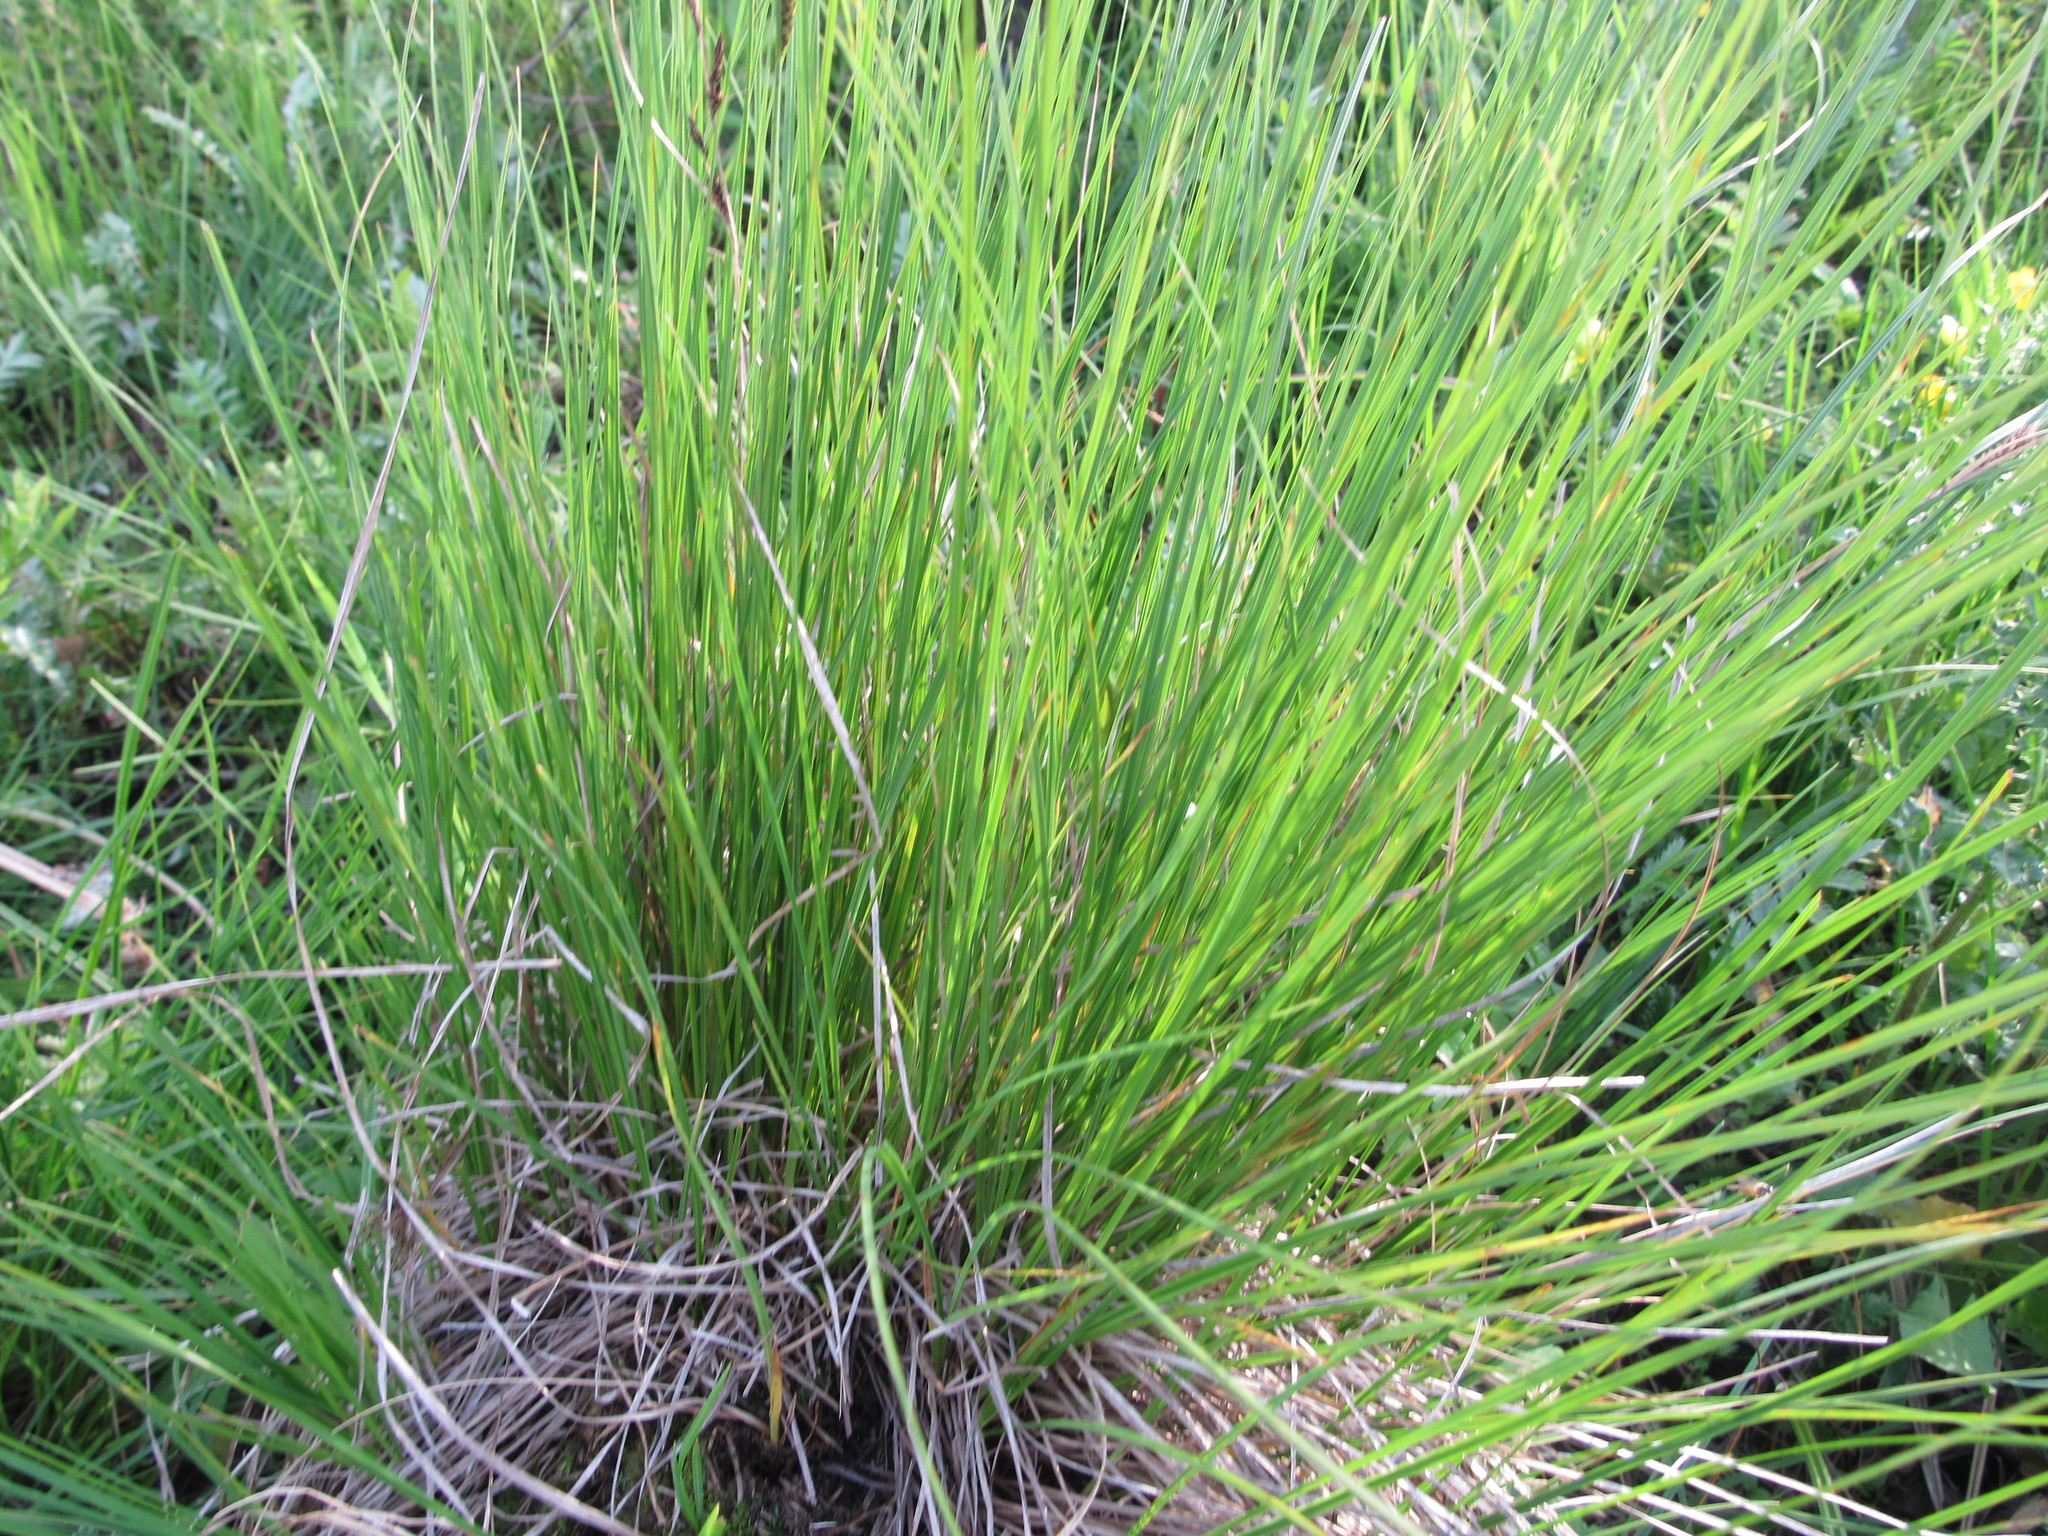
(1068, 768)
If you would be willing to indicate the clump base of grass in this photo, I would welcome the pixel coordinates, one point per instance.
(552, 1340)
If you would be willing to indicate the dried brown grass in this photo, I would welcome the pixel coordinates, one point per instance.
(544, 1339)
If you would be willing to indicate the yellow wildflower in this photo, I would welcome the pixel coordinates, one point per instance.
(2021, 286)
(1953, 332)
(1937, 393)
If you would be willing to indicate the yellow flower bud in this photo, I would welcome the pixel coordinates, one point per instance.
(1953, 332)
(2021, 286)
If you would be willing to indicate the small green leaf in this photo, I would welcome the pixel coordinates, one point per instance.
(2027, 1318)
(1530, 1361)
(1960, 1349)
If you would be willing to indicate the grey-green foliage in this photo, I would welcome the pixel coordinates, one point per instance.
(17, 361)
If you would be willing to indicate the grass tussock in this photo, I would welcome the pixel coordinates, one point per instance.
(563, 1334)
(1086, 769)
